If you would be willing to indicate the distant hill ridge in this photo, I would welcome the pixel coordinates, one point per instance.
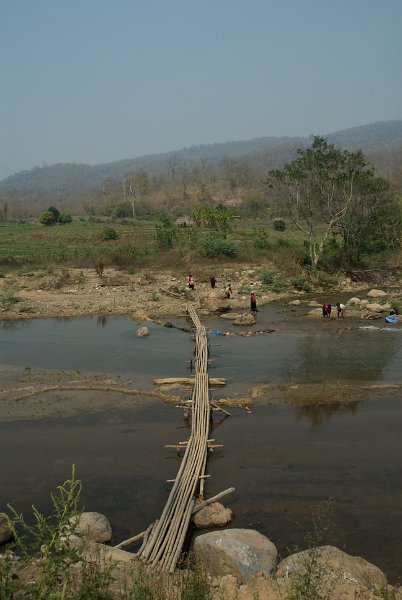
(74, 180)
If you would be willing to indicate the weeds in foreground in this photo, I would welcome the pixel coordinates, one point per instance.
(309, 580)
(48, 562)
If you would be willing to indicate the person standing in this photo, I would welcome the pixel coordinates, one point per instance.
(253, 302)
(190, 281)
(229, 291)
(212, 281)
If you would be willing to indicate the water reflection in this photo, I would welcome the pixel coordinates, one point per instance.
(352, 355)
(101, 320)
(10, 325)
(321, 414)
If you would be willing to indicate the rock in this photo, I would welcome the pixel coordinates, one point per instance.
(93, 525)
(238, 552)
(376, 293)
(244, 319)
(213, 515)
(295, 302)
(345, 567)
(353, 300)
(142, 331)
(98, 553)
(314, 303)
(364, 302)
(215, 301)
(140, 316)
(316, 313)
(6, 532)
(374, 307)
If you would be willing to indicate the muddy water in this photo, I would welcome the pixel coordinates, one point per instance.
(283, 461)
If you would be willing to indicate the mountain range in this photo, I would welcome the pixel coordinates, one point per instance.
(381, 142)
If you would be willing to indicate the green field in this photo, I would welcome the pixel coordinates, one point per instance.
(82, 243)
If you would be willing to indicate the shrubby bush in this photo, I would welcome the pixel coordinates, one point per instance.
(260, 239)
(266, 277)
(279, 225)
(109, 233)
(215, 245)
(300, 283)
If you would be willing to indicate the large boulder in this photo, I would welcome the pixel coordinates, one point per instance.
(6, 532)
(92, 525)
(213, 515)
(237, 552)
(215, 301)
(376, 293)
(245, 319)
(374, 307)
(353, 300)
(341, 566)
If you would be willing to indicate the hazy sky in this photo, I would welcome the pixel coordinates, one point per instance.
(101, 80)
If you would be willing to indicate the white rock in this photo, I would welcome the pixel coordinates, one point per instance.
(353, 300)
(142, 331)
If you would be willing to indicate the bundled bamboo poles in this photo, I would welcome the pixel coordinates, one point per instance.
(166, 539)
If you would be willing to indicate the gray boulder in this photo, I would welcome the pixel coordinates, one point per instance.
(238, 552)
(92, 525)
(6, 532)
(354, 300)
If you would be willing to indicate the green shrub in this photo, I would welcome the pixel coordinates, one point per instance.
(108, 233)
(279, 225)
(65, 218)
(215, 245)
(278, 286)
(47, 218)
(266, 277)
(7, 299)
(300, 283)
(282, 243)
(166, 234)
(260, 239)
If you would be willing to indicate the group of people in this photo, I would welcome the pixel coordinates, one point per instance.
(327, 309)
(228, 290)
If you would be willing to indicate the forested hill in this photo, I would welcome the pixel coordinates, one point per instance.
(381, 142)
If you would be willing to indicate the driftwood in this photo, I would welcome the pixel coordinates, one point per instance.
(213, 499)
(140, 536)
(188, 381)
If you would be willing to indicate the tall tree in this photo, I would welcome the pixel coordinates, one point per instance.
(319, 188)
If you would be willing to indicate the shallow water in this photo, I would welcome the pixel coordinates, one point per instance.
(283, 461)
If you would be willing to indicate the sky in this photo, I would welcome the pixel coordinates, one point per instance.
(96, 81)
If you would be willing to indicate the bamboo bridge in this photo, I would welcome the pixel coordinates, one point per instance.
(163, 541)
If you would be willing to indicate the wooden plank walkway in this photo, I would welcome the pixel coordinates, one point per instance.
(164, 540)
